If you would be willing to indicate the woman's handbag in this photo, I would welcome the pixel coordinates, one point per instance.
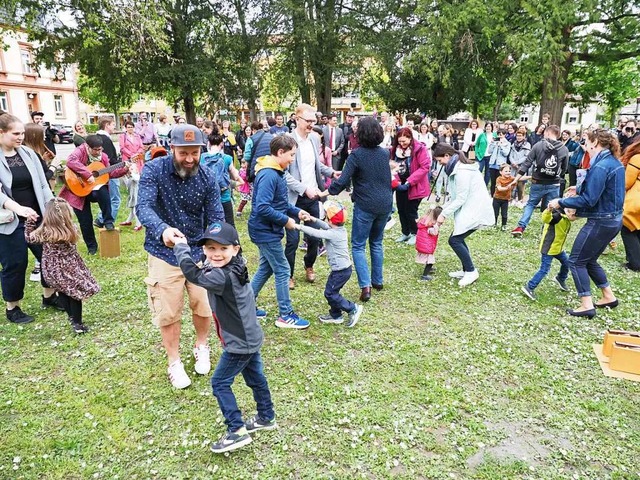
(471, 154)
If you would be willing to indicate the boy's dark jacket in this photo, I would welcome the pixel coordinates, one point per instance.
(231, 299)
(550, 159)
(270, 207)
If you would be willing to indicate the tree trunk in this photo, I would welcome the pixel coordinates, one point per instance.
(554, 85)
(323, 90)
(298, 19)
(496, 108)
(189, 108)
(253, 114)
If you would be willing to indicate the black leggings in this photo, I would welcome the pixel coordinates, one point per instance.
(72, 306)
(408, 212)
(494, 173)
(502, 207)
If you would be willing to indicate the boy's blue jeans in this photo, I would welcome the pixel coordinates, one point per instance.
(538, 192)
(545, 267)
(273, 261)
(336, 280)
(229, 367)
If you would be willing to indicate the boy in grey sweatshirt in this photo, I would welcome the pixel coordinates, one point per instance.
(226, 280)
(335, 236)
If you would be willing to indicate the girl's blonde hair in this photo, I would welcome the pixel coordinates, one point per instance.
(57, 224)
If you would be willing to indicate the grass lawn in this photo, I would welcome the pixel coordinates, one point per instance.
(435, 382)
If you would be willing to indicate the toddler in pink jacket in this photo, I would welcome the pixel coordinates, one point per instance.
(427, 240)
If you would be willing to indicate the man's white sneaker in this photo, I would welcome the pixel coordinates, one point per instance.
(458, 274)
(177, 375)
(469, 278)
(202, 355)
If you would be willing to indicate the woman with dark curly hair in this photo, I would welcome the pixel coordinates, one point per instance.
(368, 169)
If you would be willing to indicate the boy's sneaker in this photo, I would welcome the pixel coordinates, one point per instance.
(517, 232)
(79, 327)
(354, 316)
(256, 423)
(177, 375)
(231, 441)
(426, 278)
(17, 316)
(292, 320)
(35, 274)
(561, 283)
(202, 355)
(53, 301)
(528, 291)
(322, 250)
(469, 278)
(503, 228)
(329, 319)
(260, 313)
(457, 274)
(303, 246)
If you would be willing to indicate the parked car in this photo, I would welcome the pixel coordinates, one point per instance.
(64, 133)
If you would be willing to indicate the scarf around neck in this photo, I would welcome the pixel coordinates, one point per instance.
(451, 164)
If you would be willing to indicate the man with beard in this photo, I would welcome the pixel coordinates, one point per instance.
(177, 199)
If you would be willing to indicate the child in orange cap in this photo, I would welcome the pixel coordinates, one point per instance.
(335, 236)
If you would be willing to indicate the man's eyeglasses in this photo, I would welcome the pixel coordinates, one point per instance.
(629, 129)
(308, 120)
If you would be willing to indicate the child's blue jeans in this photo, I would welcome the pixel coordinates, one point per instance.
(229, 367)
(545, 266)
(336, 280)
(273, 262)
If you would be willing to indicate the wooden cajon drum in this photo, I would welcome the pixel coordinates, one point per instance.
(109, 243)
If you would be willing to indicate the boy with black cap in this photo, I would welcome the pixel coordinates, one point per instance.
(335, 236)
(226, 280)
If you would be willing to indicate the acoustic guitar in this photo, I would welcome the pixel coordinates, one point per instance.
(82, 187)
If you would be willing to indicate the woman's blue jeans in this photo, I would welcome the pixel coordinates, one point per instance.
(459, 246)
(591, 241)
(368, 226)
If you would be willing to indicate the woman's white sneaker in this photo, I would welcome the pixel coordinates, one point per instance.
(202, 355)
(469, 278)
(177, 376)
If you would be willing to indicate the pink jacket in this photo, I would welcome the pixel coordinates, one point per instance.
(130, 147)
(419, 172)
(77, 161)
(425, 242)
(245, 187)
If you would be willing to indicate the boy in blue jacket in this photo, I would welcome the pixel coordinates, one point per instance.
(226, 280)
(271, 213)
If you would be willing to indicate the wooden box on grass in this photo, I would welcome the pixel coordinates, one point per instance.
(109, 243)
(623, 336)
(625, 357)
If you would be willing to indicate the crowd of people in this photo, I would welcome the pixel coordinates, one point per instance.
(180, 179)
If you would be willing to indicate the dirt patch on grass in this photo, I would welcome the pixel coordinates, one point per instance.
(523, 442)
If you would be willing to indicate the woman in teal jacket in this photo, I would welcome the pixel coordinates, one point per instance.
(484, 139)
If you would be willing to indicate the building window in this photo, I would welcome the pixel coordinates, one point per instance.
(58, 105)
(4, 102)
(25, 56)
(572, 118)
(524, 119)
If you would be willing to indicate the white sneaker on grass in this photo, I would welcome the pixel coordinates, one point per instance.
(457, 274)
(411, 240)
(177, 376)
(231, 441)
(354, 316)
(469, 278)
(403, 238)
(202, 355)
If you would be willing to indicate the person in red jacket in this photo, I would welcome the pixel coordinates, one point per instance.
(427, 240)
(413, 162)
(90, 151)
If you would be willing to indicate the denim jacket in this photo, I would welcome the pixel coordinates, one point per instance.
(602, 192)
